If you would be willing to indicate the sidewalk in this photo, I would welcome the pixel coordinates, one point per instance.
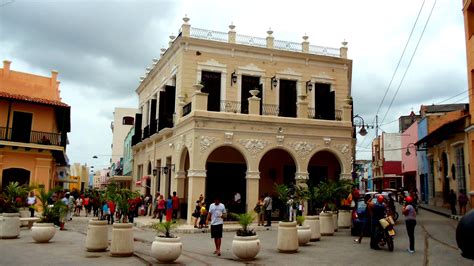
(231, 226)
(441, 211)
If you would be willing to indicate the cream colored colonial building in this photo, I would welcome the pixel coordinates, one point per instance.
(216, 138)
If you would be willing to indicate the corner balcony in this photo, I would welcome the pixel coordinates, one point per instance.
(32, 139)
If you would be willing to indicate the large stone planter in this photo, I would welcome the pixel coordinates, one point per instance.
(326, 223)
(97, 238)
(334, 219)
(344, 219)
(24, 213)
(465, 235)
(313, 223)
(43, 232)
(166, 249)
(304, 235)
(122, 240)
(287, 241)
(10, 225)
(246, 247)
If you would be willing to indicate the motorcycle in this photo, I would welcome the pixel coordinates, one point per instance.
(387, 233)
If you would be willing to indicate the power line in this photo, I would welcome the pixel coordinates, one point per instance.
(409, 63)
(400, 60)
(452, 97)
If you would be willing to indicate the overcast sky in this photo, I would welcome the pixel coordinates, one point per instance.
(102, 47)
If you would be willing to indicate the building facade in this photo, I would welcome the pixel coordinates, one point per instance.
(409, 137)
(222, 113)
(79, 177)
(387, 161)
(34, 123)
(468, 11)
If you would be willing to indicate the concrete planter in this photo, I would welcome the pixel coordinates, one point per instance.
(313, 223)
(304, 235)
(122, 240)
(246, 247)
(43, 232)
(9, 225)
(24, 213)
(326, 224)
(97, 236)
(344, 219)
(287, 241)
(166, 249)
(334, 219)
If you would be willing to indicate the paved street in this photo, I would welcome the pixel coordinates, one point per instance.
(435, 245)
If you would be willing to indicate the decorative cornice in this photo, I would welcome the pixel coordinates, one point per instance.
(302, 148)
(254, 146)
(206, 142)
(197, 173)
(253, 175)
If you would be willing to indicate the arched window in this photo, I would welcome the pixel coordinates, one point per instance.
(127, 120)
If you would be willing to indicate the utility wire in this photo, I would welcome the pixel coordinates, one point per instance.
(452, 97)
(409, 63)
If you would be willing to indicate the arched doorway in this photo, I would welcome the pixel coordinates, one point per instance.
(277, 166)
(183, 183)
(322, 167)
(226, 174)
(19, 175)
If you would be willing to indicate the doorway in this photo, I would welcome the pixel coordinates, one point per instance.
(446, 186)
(212, 86)
(324, 101)
(21, 126)
(249, 83)
(19, 175)
(287, 101)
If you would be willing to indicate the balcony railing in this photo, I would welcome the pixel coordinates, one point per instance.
(230, 106)
(270, 109)
(312, 114)
(35, 137)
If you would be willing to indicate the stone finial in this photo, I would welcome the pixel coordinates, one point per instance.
(269, 32)
(172, 37)
(232, 26)
(305, 44)
(148, 68)
(155, 60)
(186, 19)
(305, 37)
(344, 43)
(231, 35)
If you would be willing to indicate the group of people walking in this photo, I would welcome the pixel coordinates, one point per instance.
(168, 208)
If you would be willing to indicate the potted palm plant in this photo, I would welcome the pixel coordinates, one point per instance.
(325, 194)
(343, 190)
(287, 240)
(9, 207)
(304, 232)
(167, 247)
(312, 219)
(43, 230)
(246, 244)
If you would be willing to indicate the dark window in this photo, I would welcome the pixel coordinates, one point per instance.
(287, 98)
(127, 120)
(212, 85)
(324, 101)
(21, 126)
(249, 83)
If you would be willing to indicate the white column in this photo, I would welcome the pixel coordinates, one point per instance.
(253, 178)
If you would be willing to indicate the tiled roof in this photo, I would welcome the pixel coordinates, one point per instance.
(31, 99)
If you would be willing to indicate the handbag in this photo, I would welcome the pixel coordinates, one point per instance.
(257, 208)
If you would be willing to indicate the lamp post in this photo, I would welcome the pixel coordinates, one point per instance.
(358, 121)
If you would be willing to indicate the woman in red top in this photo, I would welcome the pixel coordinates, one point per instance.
(161, 208)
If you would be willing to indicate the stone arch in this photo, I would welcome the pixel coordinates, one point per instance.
(208, 153)
(345, 164)
(18, 174)
(324, 165)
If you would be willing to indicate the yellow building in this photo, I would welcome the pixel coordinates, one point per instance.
(79, 176)
(222, 113)
(34, 123)
(468, 11)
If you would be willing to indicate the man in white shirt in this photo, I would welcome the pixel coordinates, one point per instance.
(267, 205)
(216, 215)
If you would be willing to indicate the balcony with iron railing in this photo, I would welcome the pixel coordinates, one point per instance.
(33, 137)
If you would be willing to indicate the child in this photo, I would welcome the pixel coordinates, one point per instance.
(202, 220)
(105, 211)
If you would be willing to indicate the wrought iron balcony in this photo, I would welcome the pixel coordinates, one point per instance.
(34, 137)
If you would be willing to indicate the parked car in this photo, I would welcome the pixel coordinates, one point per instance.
(359, 217)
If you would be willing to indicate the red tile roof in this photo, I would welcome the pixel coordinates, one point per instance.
(31, 99)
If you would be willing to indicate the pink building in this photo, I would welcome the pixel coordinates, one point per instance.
(409, 159)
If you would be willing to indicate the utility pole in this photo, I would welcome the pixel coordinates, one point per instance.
(376, 125)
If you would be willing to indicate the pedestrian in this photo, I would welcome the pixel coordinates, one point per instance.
(70, 209)
(111, 206)
(267, 204)
(175, 200)
(260, 210)
(79, 202)
(216, 215)
(202, 219)
(236, 202)
(410, 222)
(169, 209)
(105, 212)
(161, 208)
(147, 202)
(155, 205)
(87, 205)
(31, 201)
(452, 201)
(197, 208)
(463, 200)
(378, 211)
(366, 223)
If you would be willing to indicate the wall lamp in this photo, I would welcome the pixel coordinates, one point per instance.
(233, 78)
(274, 82)
(164, 169)
(309, 86)
(361, 124)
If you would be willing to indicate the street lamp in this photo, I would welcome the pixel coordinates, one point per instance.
(361, 124)
(408, 153)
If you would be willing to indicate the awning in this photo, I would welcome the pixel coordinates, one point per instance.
(444, 131)
(120, 178)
